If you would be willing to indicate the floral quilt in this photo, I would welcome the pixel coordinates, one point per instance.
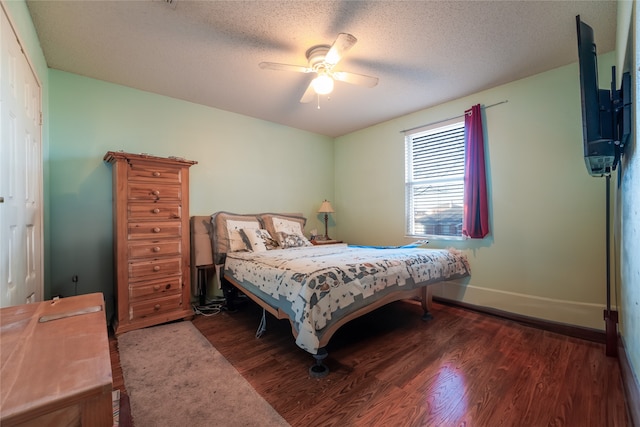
(320, 284)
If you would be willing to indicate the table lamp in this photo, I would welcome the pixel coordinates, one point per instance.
(326, 209)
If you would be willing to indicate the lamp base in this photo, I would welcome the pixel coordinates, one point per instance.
(326, 226)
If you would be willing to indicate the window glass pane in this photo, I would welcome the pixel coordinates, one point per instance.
(435, 181)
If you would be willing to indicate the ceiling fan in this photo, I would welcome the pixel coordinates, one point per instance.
(321, 60)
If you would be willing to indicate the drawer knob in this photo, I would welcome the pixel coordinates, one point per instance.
(156, 268)
(156, 229)
(156, 192)
(156, 249)
(156, 287)
(156, 210)
(156, 307)
(156, 174)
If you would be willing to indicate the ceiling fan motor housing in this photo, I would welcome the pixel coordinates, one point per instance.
(316, 56)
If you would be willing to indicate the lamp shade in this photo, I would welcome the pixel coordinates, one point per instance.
(323, 84)
(325, 207)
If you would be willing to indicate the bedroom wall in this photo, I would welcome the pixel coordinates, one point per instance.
(244, 165)
(545, 256)
(630, 197)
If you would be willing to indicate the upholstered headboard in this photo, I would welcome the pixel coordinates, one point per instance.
(201, 253)
(209, 238)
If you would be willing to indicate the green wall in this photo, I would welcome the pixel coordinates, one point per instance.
(244, 165)
(545, 256)
(630, 200)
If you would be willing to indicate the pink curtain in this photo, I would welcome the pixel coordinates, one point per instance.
(475, 223)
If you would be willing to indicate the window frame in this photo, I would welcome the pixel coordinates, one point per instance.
(454, 125)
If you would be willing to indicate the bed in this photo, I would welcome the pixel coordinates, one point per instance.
(319, 288)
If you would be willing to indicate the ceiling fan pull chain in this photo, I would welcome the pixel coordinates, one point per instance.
(318, 95)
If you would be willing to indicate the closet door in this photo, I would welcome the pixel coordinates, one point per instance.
(21, 279)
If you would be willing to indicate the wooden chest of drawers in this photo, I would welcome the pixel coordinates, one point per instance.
(151, 239)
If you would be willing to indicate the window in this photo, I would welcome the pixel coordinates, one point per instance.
(434, 180)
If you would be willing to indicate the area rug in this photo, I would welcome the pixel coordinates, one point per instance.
(175, 377)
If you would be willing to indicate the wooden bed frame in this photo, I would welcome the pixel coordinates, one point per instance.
(201, 231)
(423, 294)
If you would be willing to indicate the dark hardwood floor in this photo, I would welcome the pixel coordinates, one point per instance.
(116, 369)
(390, 368)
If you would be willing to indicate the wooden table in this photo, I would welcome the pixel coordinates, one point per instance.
(55, 364)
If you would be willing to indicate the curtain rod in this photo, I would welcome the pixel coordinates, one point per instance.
(450, 118)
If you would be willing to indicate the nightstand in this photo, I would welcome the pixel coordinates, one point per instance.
(326, 242)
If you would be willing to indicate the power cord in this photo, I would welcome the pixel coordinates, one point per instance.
(211, 308)
(262, 326)
(217, 305)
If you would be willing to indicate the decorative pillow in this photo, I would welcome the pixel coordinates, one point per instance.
(236, 242)
(290, 224)
(221, 241)
(294, 240)
(258, 240)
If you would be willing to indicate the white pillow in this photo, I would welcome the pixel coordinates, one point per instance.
(258, 240)
(287, 226)
(236, 243)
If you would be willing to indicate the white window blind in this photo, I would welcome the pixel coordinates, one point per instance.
(434, 180)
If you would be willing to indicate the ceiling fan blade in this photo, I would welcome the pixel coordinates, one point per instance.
(284, 67)
(354, 78)
(343, 43)
(309, 94)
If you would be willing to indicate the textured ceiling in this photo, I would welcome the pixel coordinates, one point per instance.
(207, 52)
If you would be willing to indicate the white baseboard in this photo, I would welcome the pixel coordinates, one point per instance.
(568, 312)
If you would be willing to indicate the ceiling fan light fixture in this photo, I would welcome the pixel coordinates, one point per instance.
(321, 60)
(323, 84)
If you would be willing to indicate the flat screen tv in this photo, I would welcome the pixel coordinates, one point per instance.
(601, 153)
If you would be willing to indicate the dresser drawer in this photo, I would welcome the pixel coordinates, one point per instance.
(143, 171)
(155, 268)
(154, 230)
(153, 192)
(155, 306)
(155, 288)
(154, 211)
(145, 249)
